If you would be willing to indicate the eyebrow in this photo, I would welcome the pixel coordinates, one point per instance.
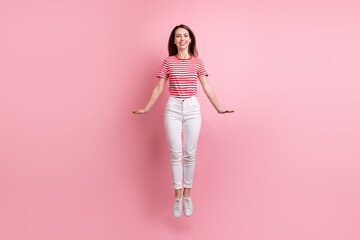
(180, 34)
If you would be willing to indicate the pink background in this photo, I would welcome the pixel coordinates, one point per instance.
(77, 164)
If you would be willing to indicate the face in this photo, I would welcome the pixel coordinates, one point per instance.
(182, 38)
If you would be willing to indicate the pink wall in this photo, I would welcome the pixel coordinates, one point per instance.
(75, 163)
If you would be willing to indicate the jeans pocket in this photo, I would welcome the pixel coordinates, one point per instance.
(168, 103)
(196, 103)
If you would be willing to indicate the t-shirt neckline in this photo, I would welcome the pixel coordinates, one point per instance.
(183, 58)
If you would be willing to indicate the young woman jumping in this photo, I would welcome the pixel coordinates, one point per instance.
(182, 112)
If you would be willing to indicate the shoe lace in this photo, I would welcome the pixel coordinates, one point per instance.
(186, 203)
(177, 205)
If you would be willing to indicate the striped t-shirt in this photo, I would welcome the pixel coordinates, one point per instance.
(183, 75)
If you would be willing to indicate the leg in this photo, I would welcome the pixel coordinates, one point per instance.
(191, 127)
(173, 128)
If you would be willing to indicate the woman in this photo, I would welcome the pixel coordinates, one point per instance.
(182, 113)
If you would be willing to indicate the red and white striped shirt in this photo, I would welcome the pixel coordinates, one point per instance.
(183, 75)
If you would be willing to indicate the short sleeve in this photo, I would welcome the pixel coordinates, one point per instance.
(164, 70)
(201, 69)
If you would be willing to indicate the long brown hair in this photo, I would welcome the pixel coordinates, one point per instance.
(192, 46)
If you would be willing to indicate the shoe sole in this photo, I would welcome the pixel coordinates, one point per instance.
(188, 215)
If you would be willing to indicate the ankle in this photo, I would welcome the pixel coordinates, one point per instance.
(178, 193)
(186, 193)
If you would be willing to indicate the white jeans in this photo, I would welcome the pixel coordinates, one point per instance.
(182, 115)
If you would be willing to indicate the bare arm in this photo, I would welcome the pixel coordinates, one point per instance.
(154, 96)
(209, 91)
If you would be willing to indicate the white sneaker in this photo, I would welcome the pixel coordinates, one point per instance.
(177, 208)
(188, 206)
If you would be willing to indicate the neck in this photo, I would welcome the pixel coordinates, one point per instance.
(183, 54)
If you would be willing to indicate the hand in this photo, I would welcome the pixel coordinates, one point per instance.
(140, 111)
(225, 111)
